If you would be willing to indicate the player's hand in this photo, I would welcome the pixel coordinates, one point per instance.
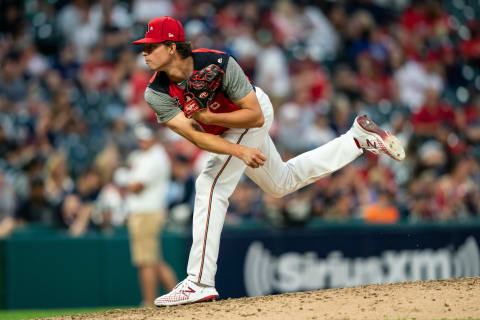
(252, 157)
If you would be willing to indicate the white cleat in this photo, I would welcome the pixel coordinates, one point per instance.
(374, 139)
(187, 292)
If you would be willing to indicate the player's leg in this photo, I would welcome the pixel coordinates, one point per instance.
(279, 178)
(214, 186)
(165, 273)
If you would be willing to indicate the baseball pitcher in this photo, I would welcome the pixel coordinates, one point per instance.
(204, 96)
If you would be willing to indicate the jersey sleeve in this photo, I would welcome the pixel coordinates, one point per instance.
(164, 105)
(235, 83)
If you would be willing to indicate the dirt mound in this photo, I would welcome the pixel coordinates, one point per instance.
(440, 299)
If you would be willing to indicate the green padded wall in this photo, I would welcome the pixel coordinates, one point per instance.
(50, 270)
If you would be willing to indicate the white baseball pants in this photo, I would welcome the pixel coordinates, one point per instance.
(220, 177)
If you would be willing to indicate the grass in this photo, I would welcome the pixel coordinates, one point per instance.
(35, 314)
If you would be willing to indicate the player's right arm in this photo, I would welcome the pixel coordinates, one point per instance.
(188, 129)
(167, 112)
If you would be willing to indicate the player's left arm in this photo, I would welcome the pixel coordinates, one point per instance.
(240, 90)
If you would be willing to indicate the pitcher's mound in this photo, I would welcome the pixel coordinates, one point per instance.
(439, 299)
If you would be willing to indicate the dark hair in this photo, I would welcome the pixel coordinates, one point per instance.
(184, 49)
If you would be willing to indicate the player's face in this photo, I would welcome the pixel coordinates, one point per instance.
(156, 55)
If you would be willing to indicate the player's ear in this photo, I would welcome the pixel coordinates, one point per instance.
(172, 48)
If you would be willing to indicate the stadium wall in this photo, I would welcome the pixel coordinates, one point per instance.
(43, 269)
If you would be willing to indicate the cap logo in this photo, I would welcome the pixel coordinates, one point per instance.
(220, 60)
(162, 29)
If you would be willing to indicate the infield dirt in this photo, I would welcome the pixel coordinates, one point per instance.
(439, 299)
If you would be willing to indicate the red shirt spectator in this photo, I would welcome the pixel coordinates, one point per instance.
(433, 114)
(425, 19)
(374, 84)
(97, 72)
(311, 75)
(471, 48)
(139, 82)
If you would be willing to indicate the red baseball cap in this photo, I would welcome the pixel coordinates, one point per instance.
(163, 29)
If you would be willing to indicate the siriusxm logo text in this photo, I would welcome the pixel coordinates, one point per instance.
(291, 271)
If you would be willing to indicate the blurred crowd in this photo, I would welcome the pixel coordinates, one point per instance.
(71, 97)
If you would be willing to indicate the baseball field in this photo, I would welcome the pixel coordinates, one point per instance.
(436, 300)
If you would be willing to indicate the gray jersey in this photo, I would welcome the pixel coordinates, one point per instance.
(234, 84)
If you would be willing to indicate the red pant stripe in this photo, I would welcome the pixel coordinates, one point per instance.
(210, 206)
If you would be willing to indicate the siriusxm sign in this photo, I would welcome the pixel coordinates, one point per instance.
(265, 273)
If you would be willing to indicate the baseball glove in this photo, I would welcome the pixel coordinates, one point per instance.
(201, 89)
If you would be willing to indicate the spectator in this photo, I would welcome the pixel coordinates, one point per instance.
(181, 191)
(344, 192)
(374, 84)
(37, 208)
(470, 47)
(413, 80)
(321, 39)
(67, 64)
(77, 207)
(145, 10)
(7, 207)
(58, 181)
(294, 119)
(421, 202)
(12, 84)
(310, 77)
(106, 162)
(319, 133)
(120, 136)
(272, 73)
(7, 146)
(456, 193)
(274, 210)
(96, 73)
(244, 204)
(382, 210)
(71, 89)
(434, 114)
(111, 206)
(341, 207)
(80, 26)
(146, 201)
(298, 208)
(469, 122)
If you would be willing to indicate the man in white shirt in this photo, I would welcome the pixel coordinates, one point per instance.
(146, 201)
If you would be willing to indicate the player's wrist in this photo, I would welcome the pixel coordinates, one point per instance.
(202, 115)
(238, 151)
(208, 116)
